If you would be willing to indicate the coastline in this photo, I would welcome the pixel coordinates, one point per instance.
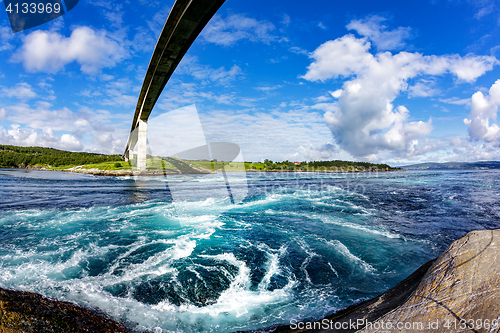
(132, 173)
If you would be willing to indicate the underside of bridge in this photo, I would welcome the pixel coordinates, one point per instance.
(184, 23)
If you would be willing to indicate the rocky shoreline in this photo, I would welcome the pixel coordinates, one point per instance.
(119, 173)
(23, 312)
(457, 292)
(132, 173)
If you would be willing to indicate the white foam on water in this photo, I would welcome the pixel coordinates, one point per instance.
(272, 266)
(342, 249)
(268, 198)
(314, 196)
(346, 224)
(240, 305)
(41, 276)
(310, 254)
(209, 206)
(156, 265)
(190, 219)
(183, 249)
(345, 205)
(331, 188)
(276, 196)
(236, 304)
(365, 210)
(333, 269)
(38, 266)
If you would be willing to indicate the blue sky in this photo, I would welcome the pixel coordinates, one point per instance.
(388, 81)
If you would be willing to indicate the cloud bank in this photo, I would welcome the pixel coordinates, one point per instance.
(364, 121)
(49, 51)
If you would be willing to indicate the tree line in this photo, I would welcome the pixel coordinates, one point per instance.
(15, 157)
(317, 165)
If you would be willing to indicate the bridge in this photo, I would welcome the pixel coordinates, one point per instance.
(184, 23)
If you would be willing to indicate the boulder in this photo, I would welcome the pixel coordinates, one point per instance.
(459, 293)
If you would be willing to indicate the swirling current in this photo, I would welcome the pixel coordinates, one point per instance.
(175, 255)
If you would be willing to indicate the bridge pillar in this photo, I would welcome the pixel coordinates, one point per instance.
(129, 155)
(141, 145)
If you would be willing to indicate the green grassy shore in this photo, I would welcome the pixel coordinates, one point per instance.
(53, 159)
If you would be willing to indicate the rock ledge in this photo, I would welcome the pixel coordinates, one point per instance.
(23, 312)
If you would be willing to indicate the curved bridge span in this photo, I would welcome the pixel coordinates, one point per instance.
(184, 23)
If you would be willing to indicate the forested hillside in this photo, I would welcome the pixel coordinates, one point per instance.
(14, 156)
(335, 165)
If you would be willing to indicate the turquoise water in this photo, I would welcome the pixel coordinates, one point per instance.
(175, 255)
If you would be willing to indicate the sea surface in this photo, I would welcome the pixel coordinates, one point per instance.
(179, 254)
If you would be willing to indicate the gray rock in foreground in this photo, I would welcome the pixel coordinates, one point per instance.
(459, 293)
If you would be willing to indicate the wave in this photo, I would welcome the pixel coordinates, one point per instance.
(206, 265)
(364, 228)
(343, 250)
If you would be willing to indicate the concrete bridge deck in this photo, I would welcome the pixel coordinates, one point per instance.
(184, 23)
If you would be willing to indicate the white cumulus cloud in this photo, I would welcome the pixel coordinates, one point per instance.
(364, 121)
(312, 153)
(28, 137)
(483, 109)
(49, 51)
(344, 56)
(86, 129)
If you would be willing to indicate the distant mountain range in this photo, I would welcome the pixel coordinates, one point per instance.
(454, 165)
